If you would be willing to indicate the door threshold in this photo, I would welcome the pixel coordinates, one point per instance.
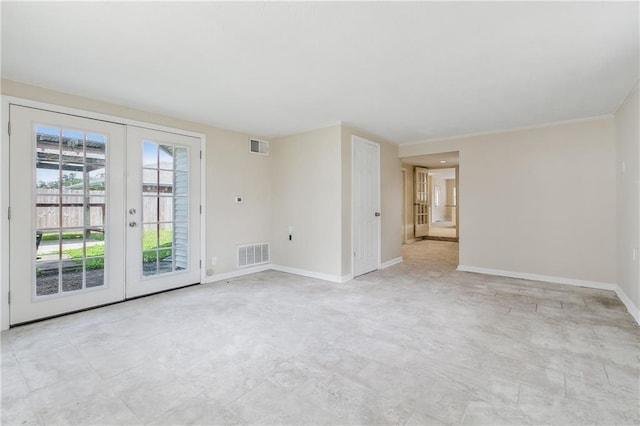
(450, 239)
(98, 306)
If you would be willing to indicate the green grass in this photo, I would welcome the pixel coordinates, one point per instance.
(148, 243)
(53, 236)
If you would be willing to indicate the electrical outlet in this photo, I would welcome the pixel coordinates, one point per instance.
(209, 272)
(214, 260)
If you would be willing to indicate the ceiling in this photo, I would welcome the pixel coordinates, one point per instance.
(434, 161)
(406, 71)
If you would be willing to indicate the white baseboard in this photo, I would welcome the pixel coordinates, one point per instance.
(310, 274)
(391, 262)
(536, 277)
(411, 240)
(238, 273)
(633, 309)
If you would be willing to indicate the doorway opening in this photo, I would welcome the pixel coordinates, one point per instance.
(431, 197)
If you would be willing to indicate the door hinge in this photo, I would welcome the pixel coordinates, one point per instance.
(201, 209)
(9, 297)
(200, 263)
(201, 154)
(9, 128)
(9, 213)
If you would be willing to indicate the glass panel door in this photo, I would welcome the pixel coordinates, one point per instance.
(163, 196)
(63, 195)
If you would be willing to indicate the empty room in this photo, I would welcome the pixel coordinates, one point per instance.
(341, 213)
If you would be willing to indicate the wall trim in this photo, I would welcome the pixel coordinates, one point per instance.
(506, 130)
(238, 273)
(535, 277)
(307, 273)
(633, 309)
(391, 262)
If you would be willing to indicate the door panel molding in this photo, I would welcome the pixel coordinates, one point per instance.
(366, 224)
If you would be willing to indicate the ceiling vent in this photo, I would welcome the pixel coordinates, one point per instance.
(256, 146)
(253, 254)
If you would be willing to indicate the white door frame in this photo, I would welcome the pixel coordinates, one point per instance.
(355, 138)
(5, 101)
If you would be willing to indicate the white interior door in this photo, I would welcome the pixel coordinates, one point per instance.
(366, 205)
(421, 202)
(163, 211)
(66, 231)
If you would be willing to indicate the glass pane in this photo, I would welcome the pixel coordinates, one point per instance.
(149, 155)
(165, 209)
(96, 151)
(166, 182)
(97, 209)
(181, 212)
(47, 214)
(73, 212)
(180, 252)
(149, 237)
(149, 181)
(165, 261)
(72, 274)
(182, 183)
(94, 271)
(47, 277)
(47, 148)
(47, 176)
(73, 178)
(72, 145)
(181, 156)
(166, 157)
(150, 209)
(94, 242)
(165, 235)
(149, 263)
(96, 180)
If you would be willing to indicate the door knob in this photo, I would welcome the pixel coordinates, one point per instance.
(132, 211)
(377, 214)
(133, 224)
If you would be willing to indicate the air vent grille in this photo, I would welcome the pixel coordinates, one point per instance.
(257, 146)
(253, 254)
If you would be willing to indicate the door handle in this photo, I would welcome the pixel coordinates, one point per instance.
(377, 214)
(132, 224)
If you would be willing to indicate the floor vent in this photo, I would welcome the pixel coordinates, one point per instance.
(253, 254)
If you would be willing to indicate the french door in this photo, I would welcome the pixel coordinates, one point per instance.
(73, 242)
(163, 211)
(421, 202)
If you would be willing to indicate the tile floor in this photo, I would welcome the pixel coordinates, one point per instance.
(417, 343)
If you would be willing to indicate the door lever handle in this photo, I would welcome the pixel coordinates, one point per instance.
(132, 224)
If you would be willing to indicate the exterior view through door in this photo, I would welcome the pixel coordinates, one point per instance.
(95, 220)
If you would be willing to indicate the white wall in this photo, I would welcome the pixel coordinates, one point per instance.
(534, 199)
(230, 170)
(628, 204)
(306, 194)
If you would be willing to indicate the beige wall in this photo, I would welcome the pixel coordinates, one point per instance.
(306, 194)
(390, 198)
(230, 170)
(628, 204)
(537, 201)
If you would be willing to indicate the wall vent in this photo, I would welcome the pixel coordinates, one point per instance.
(257, 146)
(253, 254)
